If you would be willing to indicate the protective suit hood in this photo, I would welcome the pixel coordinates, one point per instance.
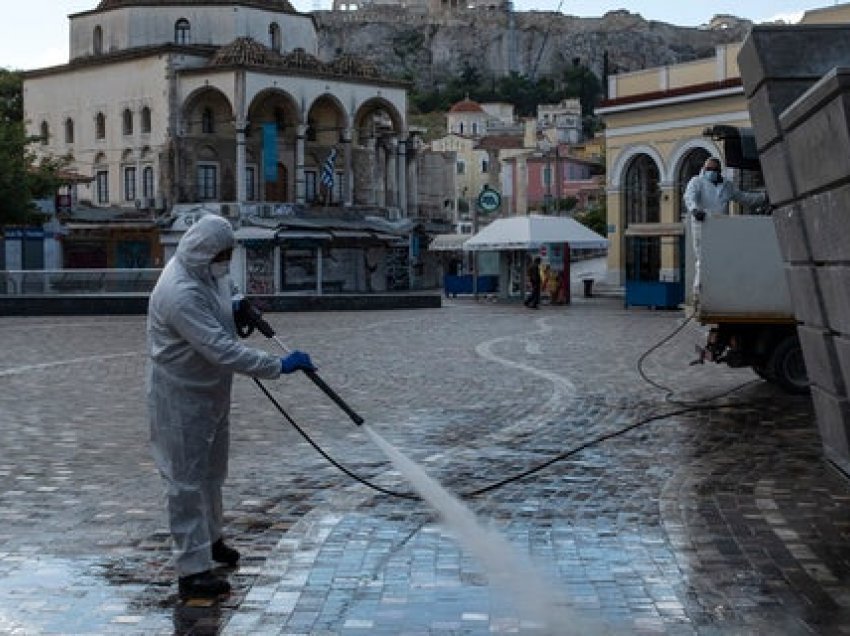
(208, 236)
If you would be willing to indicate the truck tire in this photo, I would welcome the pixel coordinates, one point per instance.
(787, 368)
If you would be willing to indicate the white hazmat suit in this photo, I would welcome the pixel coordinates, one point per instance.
(713, 199)
(194, 352)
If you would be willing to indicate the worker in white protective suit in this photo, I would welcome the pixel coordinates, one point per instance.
(707, 194)
(194, 352)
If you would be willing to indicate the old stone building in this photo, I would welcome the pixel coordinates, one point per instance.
(167, 103)
(175, 108)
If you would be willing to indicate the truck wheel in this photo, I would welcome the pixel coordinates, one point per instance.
(787, 366)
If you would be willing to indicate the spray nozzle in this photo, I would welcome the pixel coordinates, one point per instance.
(248, 318)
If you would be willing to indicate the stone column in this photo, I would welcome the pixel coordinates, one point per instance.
(401, 171)
(391, 173)
(241, 186)
(241, 125)
(348, 193)
(413, 181)
(300, 183)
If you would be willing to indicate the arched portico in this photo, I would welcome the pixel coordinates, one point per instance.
(206, 165)
(325, 151)
(273, 122)
(379, 133)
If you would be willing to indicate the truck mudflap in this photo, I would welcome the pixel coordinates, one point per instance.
(772, 351)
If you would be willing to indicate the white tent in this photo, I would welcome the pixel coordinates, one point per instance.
(530, 232)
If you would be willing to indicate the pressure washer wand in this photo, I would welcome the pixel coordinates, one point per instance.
(252, 316)
(324, 387)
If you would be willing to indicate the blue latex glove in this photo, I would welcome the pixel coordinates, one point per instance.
(296, 361)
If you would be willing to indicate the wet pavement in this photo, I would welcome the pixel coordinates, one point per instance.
(711, 521)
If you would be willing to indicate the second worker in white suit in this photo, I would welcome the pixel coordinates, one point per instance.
(708, 194)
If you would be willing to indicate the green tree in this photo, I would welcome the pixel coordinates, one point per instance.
(22, 176)
(596, 218)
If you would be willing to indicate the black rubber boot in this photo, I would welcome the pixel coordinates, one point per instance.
(202, 585)
(224, 554)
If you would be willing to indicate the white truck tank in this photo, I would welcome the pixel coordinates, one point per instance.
(742, 272)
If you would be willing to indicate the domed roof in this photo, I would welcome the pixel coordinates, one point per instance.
(466, 106)
(271, 5)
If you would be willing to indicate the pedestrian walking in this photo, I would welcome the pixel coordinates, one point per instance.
(533, 300)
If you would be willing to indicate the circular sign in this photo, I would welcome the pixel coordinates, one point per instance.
(489, 200)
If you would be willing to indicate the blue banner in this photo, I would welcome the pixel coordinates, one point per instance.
(270, 152)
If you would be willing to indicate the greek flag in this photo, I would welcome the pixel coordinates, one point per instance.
(328, 169)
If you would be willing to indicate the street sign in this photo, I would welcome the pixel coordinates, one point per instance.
(489, 200)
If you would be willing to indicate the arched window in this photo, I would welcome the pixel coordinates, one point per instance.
(643, 205)
(146, 120)
(207, 121)
(643, 200)
(127, 122)
(44, 133)
(274, 36)
(100, 126)
(97, 40)
(182, 31)
(69, 131)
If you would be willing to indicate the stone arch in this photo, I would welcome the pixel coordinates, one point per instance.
(216, 102)
(326, 120)
(641, 190)
(274, 105)
(375, 116)
(628, 153)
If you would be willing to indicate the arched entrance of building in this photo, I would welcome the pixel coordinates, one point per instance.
(642, 204)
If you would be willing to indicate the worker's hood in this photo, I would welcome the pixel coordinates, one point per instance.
(207, 238)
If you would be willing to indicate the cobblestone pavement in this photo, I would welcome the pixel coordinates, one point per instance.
(712, 521)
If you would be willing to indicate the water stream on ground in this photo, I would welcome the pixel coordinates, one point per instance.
(541, 608)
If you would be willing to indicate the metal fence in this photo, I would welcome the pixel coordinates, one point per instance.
(62, 282)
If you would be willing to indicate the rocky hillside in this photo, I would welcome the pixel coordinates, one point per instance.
(428, 49)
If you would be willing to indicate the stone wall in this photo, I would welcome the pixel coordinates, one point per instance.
(800, 107)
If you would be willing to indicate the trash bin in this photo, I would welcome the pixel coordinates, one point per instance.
(588, 287)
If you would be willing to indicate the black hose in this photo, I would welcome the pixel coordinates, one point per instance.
(321, 451)
(700, 405)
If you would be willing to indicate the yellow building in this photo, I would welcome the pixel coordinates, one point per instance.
(654, 143)
(655, 119)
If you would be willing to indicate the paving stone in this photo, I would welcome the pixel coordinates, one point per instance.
(721, 521)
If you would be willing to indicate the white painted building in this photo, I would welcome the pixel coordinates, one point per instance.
(168, 103)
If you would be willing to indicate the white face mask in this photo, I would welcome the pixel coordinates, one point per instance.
(219, 269)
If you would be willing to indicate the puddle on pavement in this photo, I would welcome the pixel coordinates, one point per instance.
(42, 593)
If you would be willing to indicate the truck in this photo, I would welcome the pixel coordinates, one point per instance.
(744, 299)
(744, 296)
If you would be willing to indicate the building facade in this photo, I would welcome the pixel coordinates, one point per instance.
(654, 137)
(169, 103)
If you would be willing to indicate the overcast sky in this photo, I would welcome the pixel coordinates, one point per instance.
(34, 33)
